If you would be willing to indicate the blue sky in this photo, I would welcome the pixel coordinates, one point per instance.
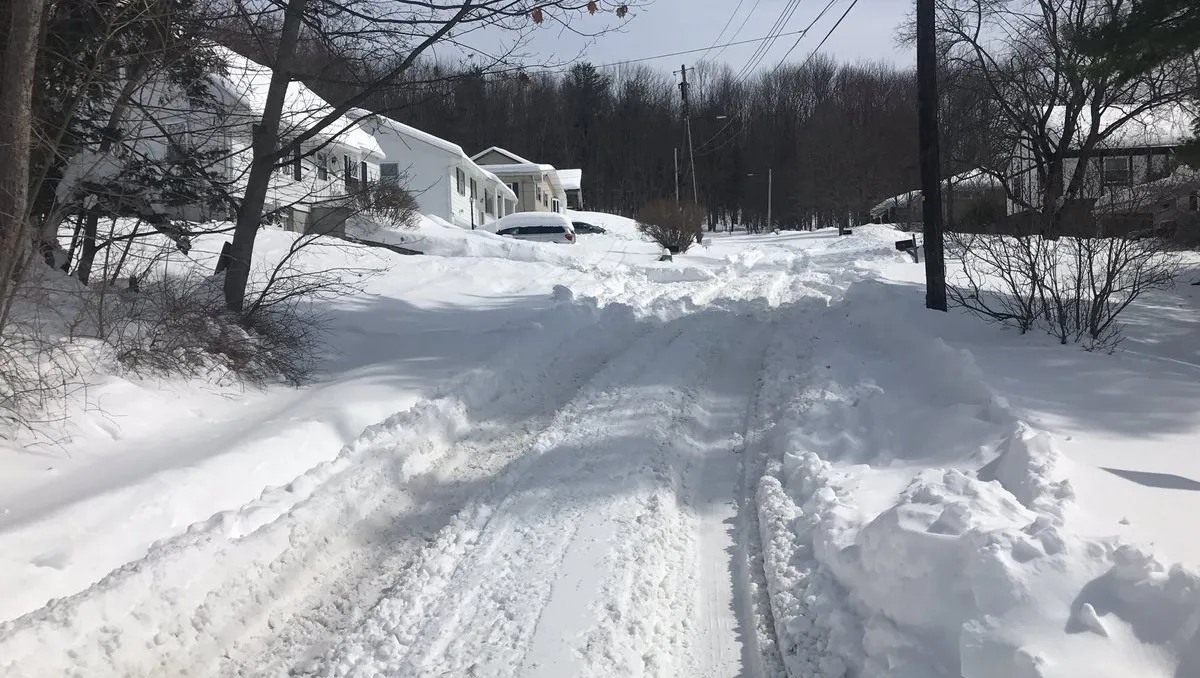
(664, 26)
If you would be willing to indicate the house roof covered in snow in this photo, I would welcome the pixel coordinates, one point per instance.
(516, 159)
(521, 168)
(245, 84)
(372, 119)
(1168, 125)
(572, 179)
(972, 180)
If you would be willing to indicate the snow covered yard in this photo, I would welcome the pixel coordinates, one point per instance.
(763, 458)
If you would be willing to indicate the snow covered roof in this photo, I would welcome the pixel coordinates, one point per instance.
(245, 83)
(572, 179)
(520, 168)
(1167, 125)
(975, 179)
(371, 118)
(508, 154)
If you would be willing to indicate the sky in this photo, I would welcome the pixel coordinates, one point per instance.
(664, 26)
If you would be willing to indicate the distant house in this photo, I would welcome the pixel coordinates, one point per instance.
(537, 186)
(445, 182)
(971, 202)
(572, 183)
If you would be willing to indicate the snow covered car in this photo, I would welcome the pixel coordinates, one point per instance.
(583, 227)
(540, 226)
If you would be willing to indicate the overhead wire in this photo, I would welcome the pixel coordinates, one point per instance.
(739, 29)
(724, 28)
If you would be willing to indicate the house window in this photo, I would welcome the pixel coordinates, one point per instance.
(389, 174)
(297, 171)
(537, 192)
(516, 189)
(1118, 170)
(348, 174)
(1158, 166)
(322, 167)
(460, 181)
(362, 171)
(474, 190)
(488, 206)
(557, 205)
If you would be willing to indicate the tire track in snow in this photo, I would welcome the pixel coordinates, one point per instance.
(516, 600)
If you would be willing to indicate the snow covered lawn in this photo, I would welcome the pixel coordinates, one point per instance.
(520, 459)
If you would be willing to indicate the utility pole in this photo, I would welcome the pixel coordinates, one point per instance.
(931, 180)
(677, 176)
(687, 119)
(770, 184)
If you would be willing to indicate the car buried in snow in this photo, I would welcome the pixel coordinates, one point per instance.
(536, 226)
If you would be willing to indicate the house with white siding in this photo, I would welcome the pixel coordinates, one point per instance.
(537, 186)
(445, 182)
(310, 183)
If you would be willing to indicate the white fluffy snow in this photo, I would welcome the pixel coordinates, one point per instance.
(764, 458)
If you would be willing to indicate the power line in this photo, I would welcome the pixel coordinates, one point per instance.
(723, 29)
(764, 48)
(824, 39)
(740, 27)
(691, 51)
(802, 34)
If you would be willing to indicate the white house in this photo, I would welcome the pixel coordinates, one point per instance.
(537, 186)
(445, 182)
(572, 183)
(214, 136)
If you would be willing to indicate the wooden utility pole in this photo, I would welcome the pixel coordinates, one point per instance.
(931, 181)
(677, 176)
(687, 119)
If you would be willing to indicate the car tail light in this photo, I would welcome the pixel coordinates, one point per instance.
(570, 237)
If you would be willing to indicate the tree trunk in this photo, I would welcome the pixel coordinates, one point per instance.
(22, 24)
(264, 153)
(87, 252)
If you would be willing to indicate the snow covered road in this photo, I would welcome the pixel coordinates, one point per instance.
(715, 467)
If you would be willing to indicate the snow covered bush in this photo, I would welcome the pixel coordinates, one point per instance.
(1074, 288)
(674, 226)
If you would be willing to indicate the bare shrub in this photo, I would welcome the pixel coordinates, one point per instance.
(674, 226)
(1074, 288)
(179, 325)
(390, 203)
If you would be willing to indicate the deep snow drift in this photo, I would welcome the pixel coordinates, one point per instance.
(521, 459)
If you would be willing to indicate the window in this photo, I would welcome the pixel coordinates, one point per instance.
(362, 171)
(322, 167)
(557, 205)
(1158, 166)
(297, 171)
(389, 174)
(1117, 170)
(348, 173)
(488, 206)
(537, 192)
(460, 181)
(474, 189)
(516, 189)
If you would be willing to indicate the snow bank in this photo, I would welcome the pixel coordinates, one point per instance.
(912, 525)
(435, 237)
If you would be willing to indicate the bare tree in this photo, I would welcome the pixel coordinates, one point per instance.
(20, 25)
